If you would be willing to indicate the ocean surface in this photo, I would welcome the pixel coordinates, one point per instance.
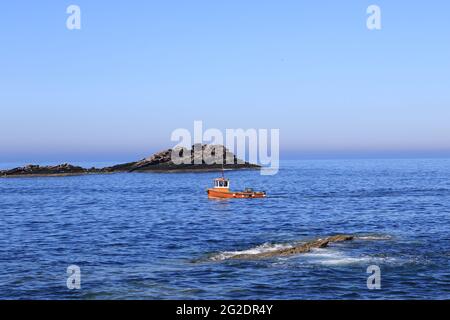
(157, 236)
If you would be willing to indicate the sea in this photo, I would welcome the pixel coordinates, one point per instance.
(158, 236)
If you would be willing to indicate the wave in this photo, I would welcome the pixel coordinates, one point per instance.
(374, 237)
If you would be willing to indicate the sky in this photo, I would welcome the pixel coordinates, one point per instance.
(137, 70)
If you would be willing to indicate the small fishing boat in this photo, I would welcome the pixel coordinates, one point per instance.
(222, 190)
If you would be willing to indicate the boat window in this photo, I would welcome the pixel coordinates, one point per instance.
(221, 183)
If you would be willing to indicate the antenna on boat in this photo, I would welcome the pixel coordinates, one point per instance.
(223, 174)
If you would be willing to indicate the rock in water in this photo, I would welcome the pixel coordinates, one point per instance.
(36, 170)
(302, 248)
(199, 158)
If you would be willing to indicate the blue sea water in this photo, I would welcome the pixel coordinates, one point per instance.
(157, 236)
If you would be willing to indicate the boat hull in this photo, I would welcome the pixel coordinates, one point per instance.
(222, 194)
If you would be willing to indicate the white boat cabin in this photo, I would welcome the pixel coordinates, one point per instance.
(222, 183)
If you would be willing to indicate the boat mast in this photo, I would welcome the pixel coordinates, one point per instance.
(223, 175)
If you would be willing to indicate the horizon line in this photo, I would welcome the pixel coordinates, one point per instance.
(305, 156)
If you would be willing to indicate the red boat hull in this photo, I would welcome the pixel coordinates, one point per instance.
(226, 194)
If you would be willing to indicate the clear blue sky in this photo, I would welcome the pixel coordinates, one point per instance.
(137, 70)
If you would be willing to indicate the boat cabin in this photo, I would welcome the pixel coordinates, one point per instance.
(222, 183)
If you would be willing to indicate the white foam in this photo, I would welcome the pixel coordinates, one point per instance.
(266, 247)
(333, 257)
(374, 237)
(324, 256)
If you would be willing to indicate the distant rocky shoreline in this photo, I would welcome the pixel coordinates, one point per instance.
(158, 162)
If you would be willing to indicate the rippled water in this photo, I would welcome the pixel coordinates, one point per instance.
(157, 236)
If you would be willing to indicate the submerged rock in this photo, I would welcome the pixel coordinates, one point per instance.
(301, 248)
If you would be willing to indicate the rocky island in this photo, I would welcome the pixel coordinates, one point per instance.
(158, 162)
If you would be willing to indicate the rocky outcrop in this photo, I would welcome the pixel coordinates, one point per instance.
(62, 169)
(301, 248)
(199, 158)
